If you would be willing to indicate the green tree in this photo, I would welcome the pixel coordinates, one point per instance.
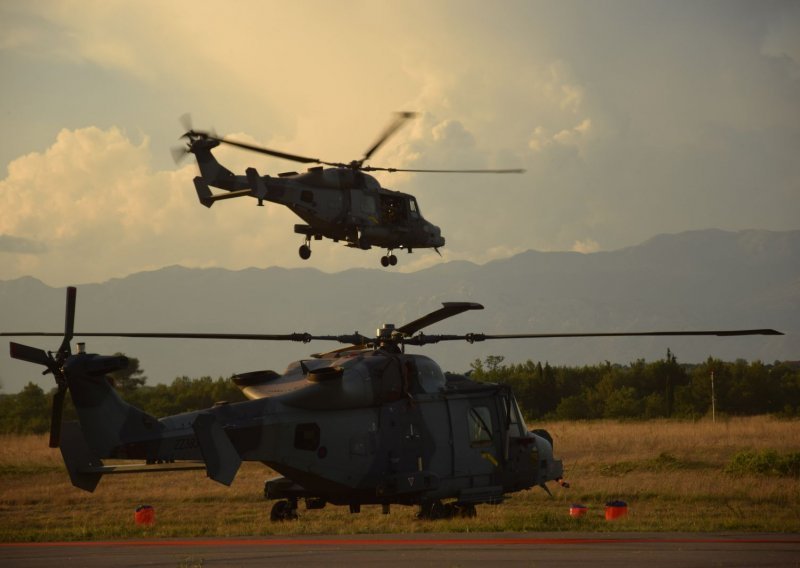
(622, 403)
(30, 411)
(572, 408)
(493, 362)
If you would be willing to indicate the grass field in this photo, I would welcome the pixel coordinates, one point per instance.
(671, 474)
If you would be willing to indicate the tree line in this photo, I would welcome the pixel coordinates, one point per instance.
(642, 390)
(639, 390)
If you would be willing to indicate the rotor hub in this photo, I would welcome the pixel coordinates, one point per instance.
(386, 332)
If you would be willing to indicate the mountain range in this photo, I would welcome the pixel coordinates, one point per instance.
(709, 279)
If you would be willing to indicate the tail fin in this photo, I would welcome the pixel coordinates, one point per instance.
(110, 427)
(203, 192)
(78, 458)
(213, 172)
(106, 420)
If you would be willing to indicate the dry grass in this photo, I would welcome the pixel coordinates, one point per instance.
(601, 441)
(670, 474)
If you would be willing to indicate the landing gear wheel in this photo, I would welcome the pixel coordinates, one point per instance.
(388, 259)
(305, 252)
(315, 503)
(283, 511)
(465, 510)
(432, 510)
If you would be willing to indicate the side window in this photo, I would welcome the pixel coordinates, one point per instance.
(412, 206)
(480, 426)
(368, 205)
(515, 424)
(306, 436)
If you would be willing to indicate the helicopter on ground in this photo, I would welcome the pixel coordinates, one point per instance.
(366, 423)
(340, 202)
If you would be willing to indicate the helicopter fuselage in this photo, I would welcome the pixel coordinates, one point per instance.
(351, 206)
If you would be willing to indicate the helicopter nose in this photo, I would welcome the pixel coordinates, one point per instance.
(436, 236)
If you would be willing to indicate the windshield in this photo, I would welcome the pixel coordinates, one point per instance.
(516, 425)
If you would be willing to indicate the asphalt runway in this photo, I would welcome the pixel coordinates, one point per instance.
(528, 549)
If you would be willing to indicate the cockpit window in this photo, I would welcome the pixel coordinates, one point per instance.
(412, 207)
(513, 416)
(429, 375)
(394, 208)
(480, 426)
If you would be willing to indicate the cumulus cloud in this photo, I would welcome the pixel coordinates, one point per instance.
(575, 137)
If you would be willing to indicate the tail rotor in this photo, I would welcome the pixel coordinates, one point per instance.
(54, 364)
(194, 139)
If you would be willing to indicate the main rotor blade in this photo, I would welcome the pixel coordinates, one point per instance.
(717, 332)
(400, 118)
(267, 151)
(392, 170)
(448, 309)
(474, 337)
(302, 337)
(262, 336)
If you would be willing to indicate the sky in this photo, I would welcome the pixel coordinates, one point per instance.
(631, 119)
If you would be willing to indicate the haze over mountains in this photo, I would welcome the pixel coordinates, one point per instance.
(707, 279)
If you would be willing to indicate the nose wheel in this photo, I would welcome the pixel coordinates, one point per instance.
(305, 250)
(388, 260)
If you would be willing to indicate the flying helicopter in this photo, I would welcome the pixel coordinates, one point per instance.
(366, 423)
(340, 202)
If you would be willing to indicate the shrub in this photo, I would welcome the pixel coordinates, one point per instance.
(765, 462)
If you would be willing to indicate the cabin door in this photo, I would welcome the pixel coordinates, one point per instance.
(477, 439)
